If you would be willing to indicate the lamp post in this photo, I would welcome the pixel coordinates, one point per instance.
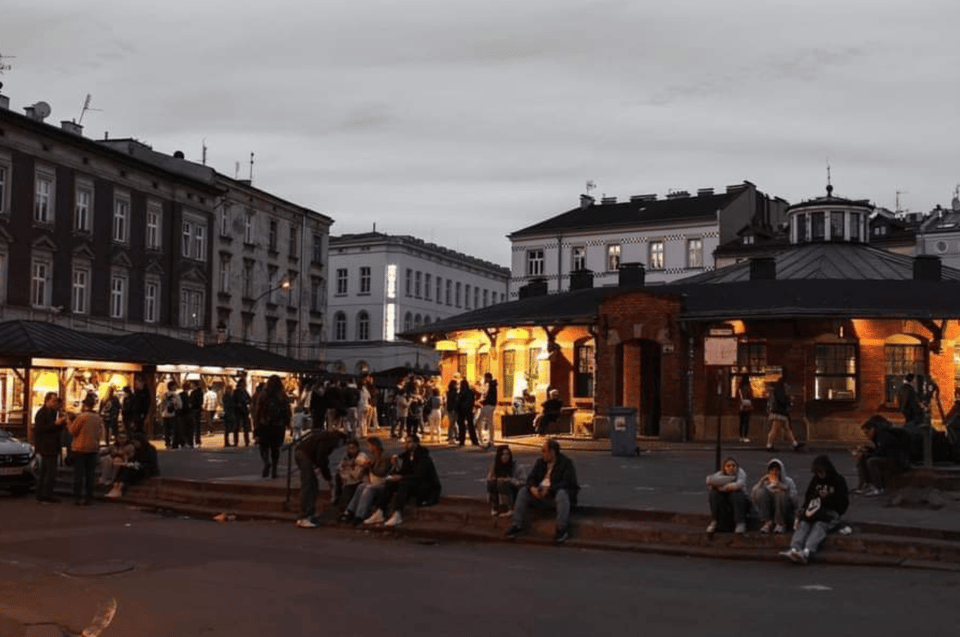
(283, 285)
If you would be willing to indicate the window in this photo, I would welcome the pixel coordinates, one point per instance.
(224, 220)
(585, 362)
(533, 366)
(248, 228)
(294, 250)
(363, 326)
(449, 292)
(418, 287)
(503, 296)
(534, 262)
(459, 289)
(801, 228)
(317, 248)
(407, 322)
(578, 258)
(752, 361)
(613, 257)
(836, 226)
(509, 369)
(194, 240)
(340, 326)
(4, 185)
(408, 282)
(483, 364)
(694, 253)
(476, 297)
(43, 203)
(83, 207)
(224, 273)
(486, 298)
(272, 235)
(902, 359)
(365, 279)
(151, 301)
(118, 296)
(41, 275)
(462, 362)
(272, 282)
(121, 218)
(417, 321)
(316, 294)
(427, 286)
(854, 226)
(80, 299)
(154, 213)
(439, 290)
(341, 281)
(817, 229)
(656, 255)
(466, 296)
(248, 278)
(191, 307)
(835, 371)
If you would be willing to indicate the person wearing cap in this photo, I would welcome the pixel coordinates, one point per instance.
(551, 412)
(86, 430)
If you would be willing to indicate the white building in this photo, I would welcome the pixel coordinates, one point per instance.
(382, 284)
(673, 237)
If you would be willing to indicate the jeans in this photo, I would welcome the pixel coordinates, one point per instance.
(465, 423)
(452, 434)
(485, 424)
(84, 468)
(745, 423)
(363, 498)
(525, 499)
(809, 536)
(777, 507)
(47, 476)
(875, 470)
(501, 493)
(309, 486)
(725, 503)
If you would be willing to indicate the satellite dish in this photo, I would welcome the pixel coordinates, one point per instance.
(41, 109)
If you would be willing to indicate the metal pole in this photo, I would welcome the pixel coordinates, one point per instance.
(286, 503)
(719, 410)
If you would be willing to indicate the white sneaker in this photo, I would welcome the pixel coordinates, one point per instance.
(115, 492)
(306, 523)
(375, 518)
(395, 520)
(741, 529)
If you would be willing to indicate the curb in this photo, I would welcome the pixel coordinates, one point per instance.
(16, 622)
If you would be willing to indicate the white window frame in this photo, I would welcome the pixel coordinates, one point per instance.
(363, 326)
(695, 252)
(80, 290)
(194, 239)
(83, 206)
(365, 279)
(224, 273)
(613, 257)
(578, 258)
(44, 195)
(535, 262)
(151, 300)
(119, 284)
(343, 282)
(340, 327)
(41, 280)
(656, 260)
(191, 306)
(248, 228)
(121, 218)
(154, 224)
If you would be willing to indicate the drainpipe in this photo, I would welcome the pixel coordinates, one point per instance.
(559, 262)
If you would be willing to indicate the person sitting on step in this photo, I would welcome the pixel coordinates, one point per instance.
(775, 496)
(415, 476)
(552, 480)
(728, 498)
(504, 480)
(825, 501)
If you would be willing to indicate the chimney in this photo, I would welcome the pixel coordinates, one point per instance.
(581, 279)
(763, 269)
(704, 192)
(586, 201)
(631, 275)
(72, 127)
(926, 267)
(4, 100)
(536, 287)
(608, 200)
(650, 197)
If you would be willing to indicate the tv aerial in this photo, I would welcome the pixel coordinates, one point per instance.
(86, 107)
(3, 65)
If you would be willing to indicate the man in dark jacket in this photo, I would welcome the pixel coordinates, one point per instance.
(887, 452)
(196, 410)
(312, 455)
(553, 479)
(48, 427)
(487, 406)
(140, 407)
(415, 477)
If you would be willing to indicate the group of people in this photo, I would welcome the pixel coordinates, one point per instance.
(187, 411)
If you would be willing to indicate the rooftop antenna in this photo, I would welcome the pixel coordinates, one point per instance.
(251, 169)
(204, 144)
(236, 170)
(3, 65)
(829, 183)
(86, 107)
(900, 192)
(591, 185)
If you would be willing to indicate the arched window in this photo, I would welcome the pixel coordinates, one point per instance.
(407, 322)
(426, 319)
(363, 326)
(418, 321)
(362, 368)
(340, 326)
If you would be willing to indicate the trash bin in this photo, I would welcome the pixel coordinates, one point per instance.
(623, 431)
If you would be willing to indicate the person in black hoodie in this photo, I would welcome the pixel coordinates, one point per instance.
(553, 479)
(415, 477)
(825, 501)
(886, 452)
(465, 398)
(48, 427)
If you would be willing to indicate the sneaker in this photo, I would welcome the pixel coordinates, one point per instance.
(494, 511)
(797, 446)
(746, 440)
(561, 536)
(796, 556)
(306, 523)
(395, 520)
(871, 491)
(712, 527)
(805, 556)
(766, 527)
(375, 518)
(115, 492)
(513, 531)
(741, 529)
(506, 513)
(779, 529)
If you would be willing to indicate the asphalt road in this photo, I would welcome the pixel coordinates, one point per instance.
(188, 577)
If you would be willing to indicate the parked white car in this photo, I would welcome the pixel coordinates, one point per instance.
(17, 464)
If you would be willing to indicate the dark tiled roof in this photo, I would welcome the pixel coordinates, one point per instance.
(250, 357)
(632, 213)
(849, 261)
(38, 339)
(164, 350)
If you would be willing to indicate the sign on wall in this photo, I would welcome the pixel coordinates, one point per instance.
(720, 350)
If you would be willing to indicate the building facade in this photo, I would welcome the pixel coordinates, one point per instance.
(381, 285)
(672, 237)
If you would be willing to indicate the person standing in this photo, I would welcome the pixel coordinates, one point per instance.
(272, 417)
(229, 417)
(908, 401)
(184, 430)
(241, 401)
(140, 406)
(313, 455)
(126, 408)
(451, 406)
(110, 413)
(196, 412)
(318, 406)
(170, 409)
(86, 430)
(209, 408)
(48, 427)
(745, 398)
(487, 406)
(465, 398)
(779, 415)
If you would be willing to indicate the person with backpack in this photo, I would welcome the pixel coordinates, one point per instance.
(886, 453)
(273, 418)
(170, 408)
(779, 415)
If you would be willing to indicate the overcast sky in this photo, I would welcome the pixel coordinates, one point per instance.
(460, 122)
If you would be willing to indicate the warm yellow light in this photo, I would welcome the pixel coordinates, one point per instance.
(517, 334)
(446, 346)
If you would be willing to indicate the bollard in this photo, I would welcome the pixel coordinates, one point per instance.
(927, 445)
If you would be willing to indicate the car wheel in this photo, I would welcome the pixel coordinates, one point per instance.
(20, 491)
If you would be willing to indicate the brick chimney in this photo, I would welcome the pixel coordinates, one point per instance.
(631, 275)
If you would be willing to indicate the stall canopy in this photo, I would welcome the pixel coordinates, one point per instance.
(250, 357)
(37, 339)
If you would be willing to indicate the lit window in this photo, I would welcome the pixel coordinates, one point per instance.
(694, 253)
(902, 360)
(656, 255)
(835, 371)
(585, 364)
(613, 257)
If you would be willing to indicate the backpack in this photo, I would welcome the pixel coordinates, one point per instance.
(170, 406)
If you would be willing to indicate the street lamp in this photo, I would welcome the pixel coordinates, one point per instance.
(284, 285)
